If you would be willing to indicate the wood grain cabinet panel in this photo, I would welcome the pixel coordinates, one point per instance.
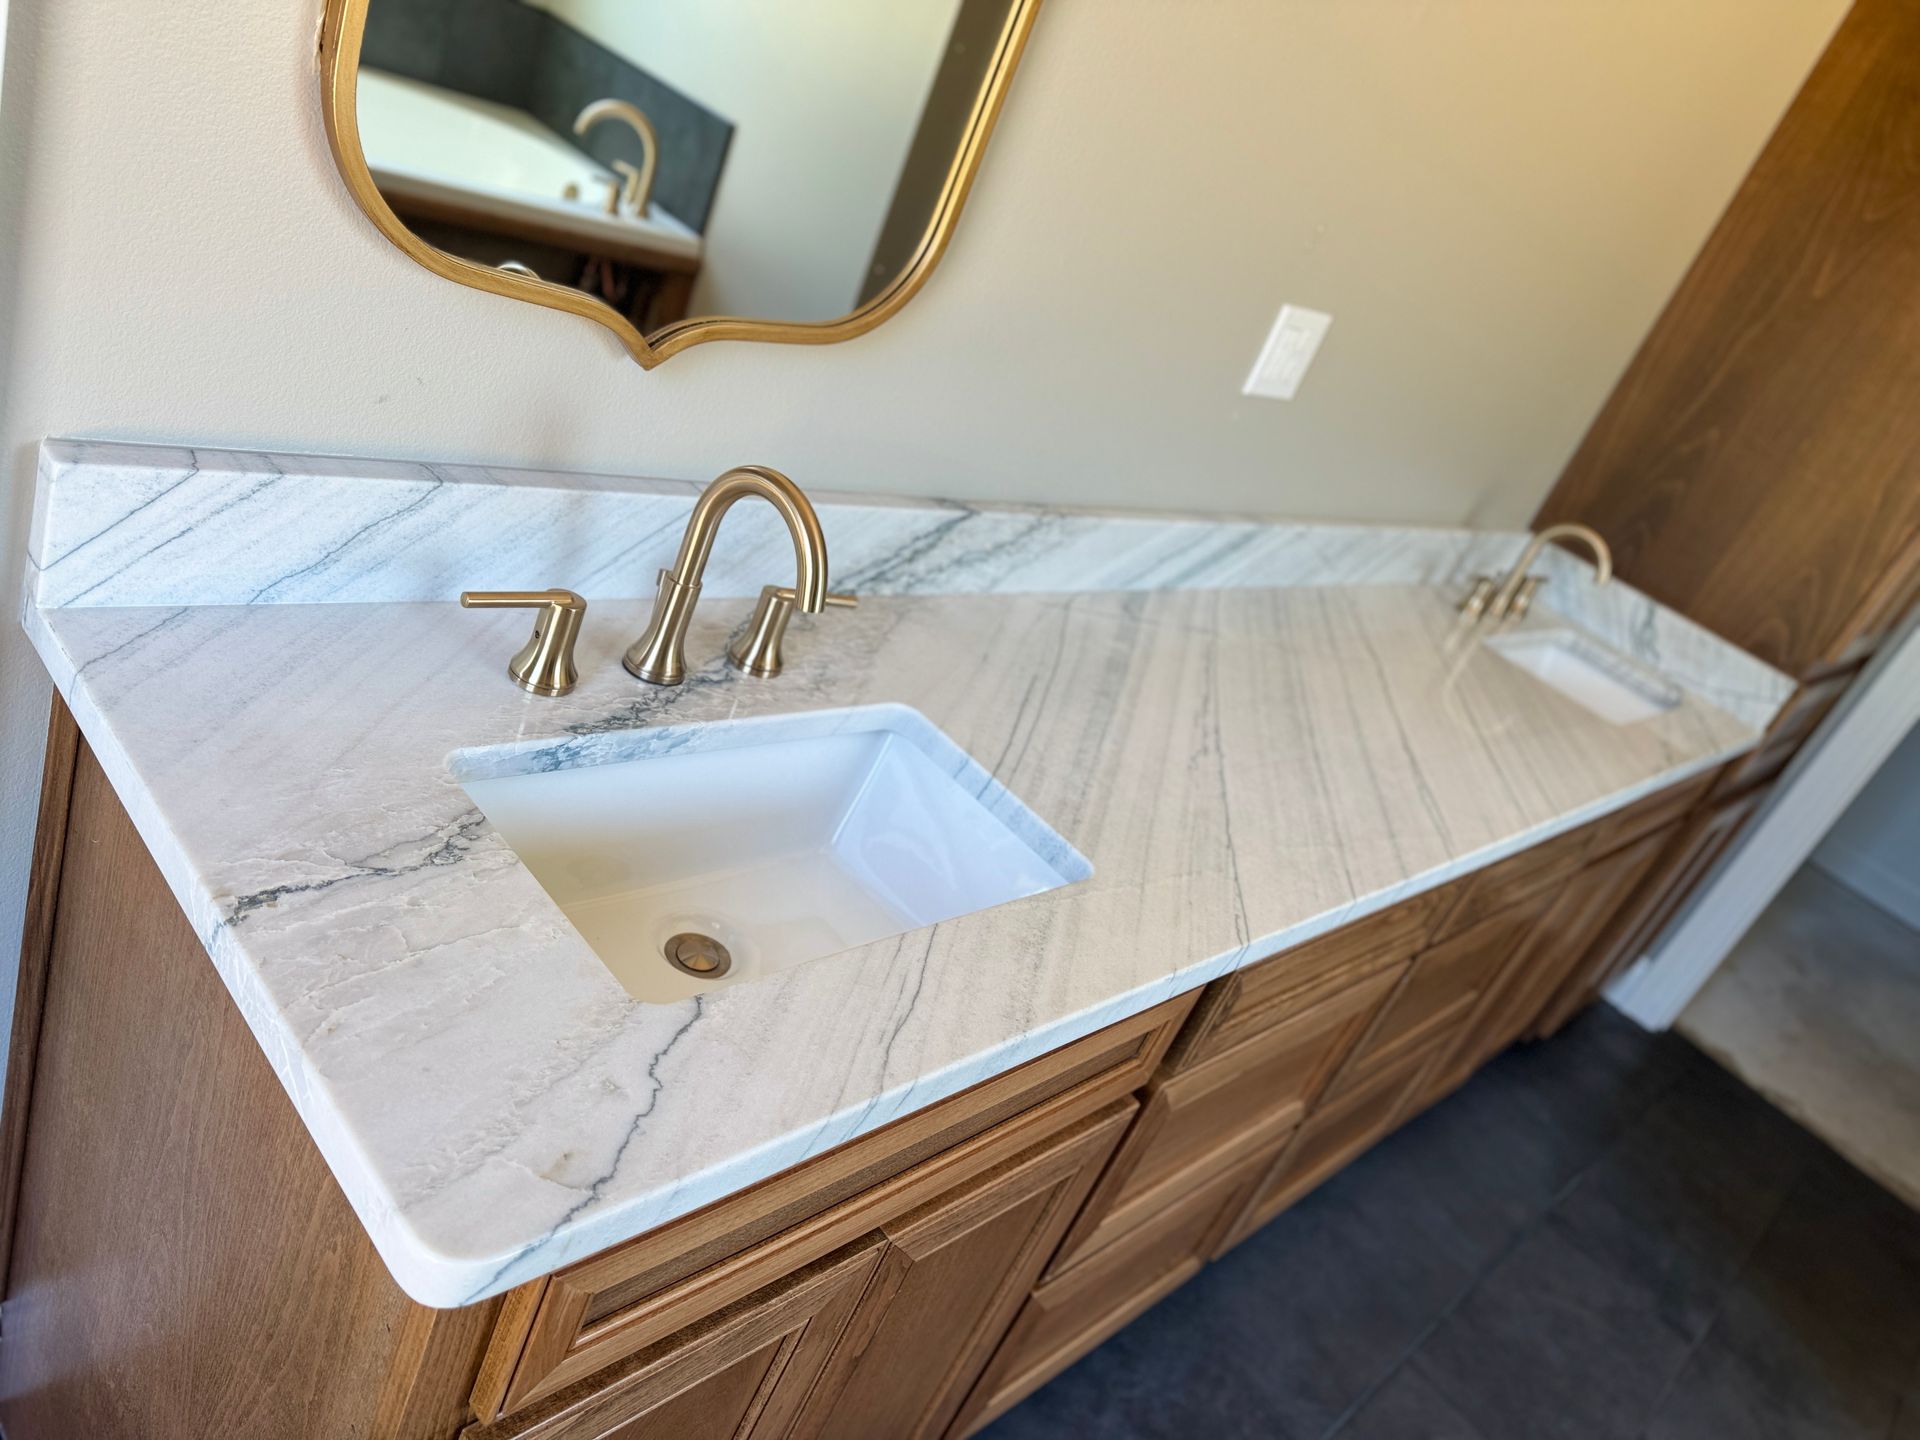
(1201, 1121)
(1518, 877)
(587, 1316)
(1250, 1000)
(1439, 993)
(1798, 719)
(1071, 1313)
(1684, 862)
(1331, 1137)
(744, 1373)
(1557, 947)
(954, 1274)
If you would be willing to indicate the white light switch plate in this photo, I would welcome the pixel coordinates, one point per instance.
(1290, 348)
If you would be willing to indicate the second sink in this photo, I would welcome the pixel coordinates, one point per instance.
(764, 843)
(1608, 685)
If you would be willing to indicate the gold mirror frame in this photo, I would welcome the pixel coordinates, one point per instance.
(342, 29)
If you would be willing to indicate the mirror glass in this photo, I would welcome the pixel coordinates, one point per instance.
(762, 159)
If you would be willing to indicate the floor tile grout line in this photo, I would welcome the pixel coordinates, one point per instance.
(1787, 1193)
(1521, 1236)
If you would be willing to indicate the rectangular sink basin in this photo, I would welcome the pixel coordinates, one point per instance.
(774, 841)
(1587, 673)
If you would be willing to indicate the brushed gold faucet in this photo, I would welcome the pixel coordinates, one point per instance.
(637, 193)
(544, 665)
(1513, 595)
(658, 656)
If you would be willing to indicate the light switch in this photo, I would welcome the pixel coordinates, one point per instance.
(1290, 348)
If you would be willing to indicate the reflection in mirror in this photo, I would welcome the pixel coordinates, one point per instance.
(685, 158)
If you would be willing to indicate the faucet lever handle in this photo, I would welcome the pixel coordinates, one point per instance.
(755, 650)
(544, 665)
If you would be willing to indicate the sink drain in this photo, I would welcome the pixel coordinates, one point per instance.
(700, 956)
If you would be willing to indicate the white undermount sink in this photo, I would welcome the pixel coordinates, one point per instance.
(1587, 673)
(782, 839)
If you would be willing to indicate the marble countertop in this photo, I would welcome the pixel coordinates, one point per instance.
(1244, 768)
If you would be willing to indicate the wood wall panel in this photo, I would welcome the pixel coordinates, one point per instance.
(1758, 466)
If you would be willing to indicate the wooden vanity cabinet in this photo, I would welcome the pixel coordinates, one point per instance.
(173, 1227)
(183, 1264)
(885, 1336)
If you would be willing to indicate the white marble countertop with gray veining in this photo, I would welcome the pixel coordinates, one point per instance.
(1244, 769)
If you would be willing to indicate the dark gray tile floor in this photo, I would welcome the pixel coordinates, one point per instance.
(1602, 1236)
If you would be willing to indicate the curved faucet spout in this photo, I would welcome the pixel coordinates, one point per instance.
(1502, 601)
(658, 655)
(809, 541)
(637, 193)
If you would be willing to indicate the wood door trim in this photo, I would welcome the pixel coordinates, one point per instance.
(36, 949)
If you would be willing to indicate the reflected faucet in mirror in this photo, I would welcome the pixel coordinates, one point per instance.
(658, 656)
(1511, 597)
(635, 195)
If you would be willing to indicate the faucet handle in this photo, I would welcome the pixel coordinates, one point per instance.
(544, 665)
(1475, 603)
(755, 649)
(1523, 597)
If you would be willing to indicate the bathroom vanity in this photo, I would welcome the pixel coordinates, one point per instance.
(331, 1115)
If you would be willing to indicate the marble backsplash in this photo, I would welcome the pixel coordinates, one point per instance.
(119, 525)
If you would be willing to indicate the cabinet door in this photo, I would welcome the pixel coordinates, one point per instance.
(741, 1374)
(1438, 994)
(1670, 880)
(1558, 948)
(1070, 1314)
(955, 1273)
(1332, 1136)
(1206, 1119)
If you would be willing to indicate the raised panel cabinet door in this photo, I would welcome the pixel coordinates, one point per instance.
(1439, 992)
(955, 1273)
(1638, 923)
(1559, 947)
(596, 1312)
(1335, 1134)
(1206, 1119)
(743, 1373)
(1069, 1314)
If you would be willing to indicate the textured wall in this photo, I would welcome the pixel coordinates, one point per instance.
(1494, 197)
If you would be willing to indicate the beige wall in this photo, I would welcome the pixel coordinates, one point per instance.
(1493, 197)
(824, 98)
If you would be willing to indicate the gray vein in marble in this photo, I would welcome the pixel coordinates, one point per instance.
(243, 528)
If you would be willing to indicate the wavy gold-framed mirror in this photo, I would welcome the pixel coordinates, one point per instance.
(681, 171)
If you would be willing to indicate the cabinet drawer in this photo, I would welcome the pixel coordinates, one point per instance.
(1238, 1006)
(1067, 1316)
(1797, 719)
(1643, 817)
(558, 1329)
(1516, 878)
(746, 1372)
(1204, 1120)
(1329, 1139)
(1439, 991)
